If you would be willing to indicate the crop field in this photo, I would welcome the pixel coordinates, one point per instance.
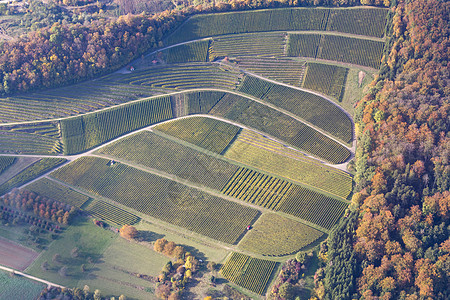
(182, 76)
(327, 79)
(160, 198)
(209, 134)
(251, 273)
(58, 192)
(87, 131)
(280, 126)
(312, 206)
(153, 151)
(310, 107)
(28, 143)
(35, 170)
(6, 162)
(352, 50)
(205, 25)
(256, 44)
(259, 152)
(281, 69)
(256, 188)
(303, 45)
(361, 21)
(191, 52)
(274, 235)
(63, 102)
(202, 102)
(12, 286)
(111, 213)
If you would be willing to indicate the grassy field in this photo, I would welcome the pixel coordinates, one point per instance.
(274, 235)
(14, 286)
(6, 162)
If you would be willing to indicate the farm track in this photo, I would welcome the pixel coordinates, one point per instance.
(48, 283)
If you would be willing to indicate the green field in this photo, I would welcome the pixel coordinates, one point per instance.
(11, 286)
(274, 235)
(251, 273)
(160, 198)
(111, 213)
(191, 52)
(202, 102)
(287, 129)
(58, 192)
(259, 152)
(210, 134)
(6, 162)
(156, 152)
(326, 79)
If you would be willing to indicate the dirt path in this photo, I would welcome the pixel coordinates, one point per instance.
(48, 283)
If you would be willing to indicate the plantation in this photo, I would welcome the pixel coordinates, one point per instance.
(87, 131)
(35, 170)
(191, 52)
(310, 107)
(55, 191)
(326, 79)
(274, 235)
(160, 198)
(205, 25)
(111, 213)
(154, 151)
(202, 102)
(250, 273)
(6, 162)
(312, 206)
(280, 126)
(259, 152)
(303, 45)
(210, 134)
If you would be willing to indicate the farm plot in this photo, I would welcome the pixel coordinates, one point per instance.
(206, 25)
(310, 107)
(256, 188)
(12, 286)
(62, 102)
(33, 171)
(6, 162)
(352, 50)
(274, 235)
(256, 44)
(111, 213)
(362, 21)
(154, 151)
(202, 102)
(87, 131)
(182, 76)
(210, 134)
(191, 52)
(281, 69)
(251, 273)
(55, 191)
(160, 198)
(259, 152)
(327, 79)
(303, 45)
(312, 206)
(27, 143)
(15, 256)
(280, 126)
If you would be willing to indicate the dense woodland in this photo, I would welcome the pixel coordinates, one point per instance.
(398, 246)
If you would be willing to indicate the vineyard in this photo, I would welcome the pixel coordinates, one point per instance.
(111, 213)
(312, 206)
(154, 151)
(251, 273)
(182, 76)
(256, 188)
(303, 45)
(6, 162)
(280, 126)
(38, 168)
(202, 102)
(87, 131)
(259, 152)
(210, 134)
(191, 52)
(256, 44)
(58, 192)
(28, 143)
(281, 69)
(326, 79)
(310, 107)
(274, 235)
(160, 198)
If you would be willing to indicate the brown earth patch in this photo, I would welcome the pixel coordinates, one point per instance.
(16, 256)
